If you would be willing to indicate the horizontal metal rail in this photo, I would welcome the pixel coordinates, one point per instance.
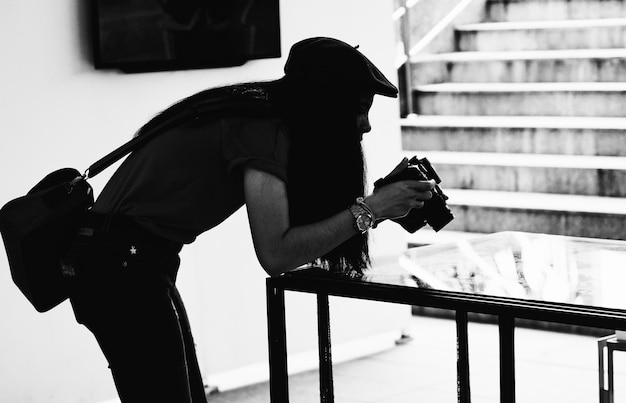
(609, 318)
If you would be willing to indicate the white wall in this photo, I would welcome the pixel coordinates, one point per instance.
(57, 111)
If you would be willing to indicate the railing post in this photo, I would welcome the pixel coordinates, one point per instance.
(506, 326)
(277, 342)
(603, 352)
(462, 351)
(324, 346)
(611, 375)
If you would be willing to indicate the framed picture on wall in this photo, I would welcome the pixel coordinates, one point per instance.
(156, 35)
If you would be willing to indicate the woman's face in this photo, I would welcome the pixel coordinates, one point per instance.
(362, 118)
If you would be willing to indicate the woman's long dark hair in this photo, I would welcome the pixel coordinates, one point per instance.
(326, 170)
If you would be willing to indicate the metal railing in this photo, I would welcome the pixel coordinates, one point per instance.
(505, 309)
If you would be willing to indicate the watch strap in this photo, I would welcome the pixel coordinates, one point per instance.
(363, 218)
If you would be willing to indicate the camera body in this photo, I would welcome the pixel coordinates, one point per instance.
(435, 211)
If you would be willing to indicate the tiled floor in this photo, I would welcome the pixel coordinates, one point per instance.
(550, 367)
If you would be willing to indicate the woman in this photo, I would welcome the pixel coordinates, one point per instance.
(290, 150)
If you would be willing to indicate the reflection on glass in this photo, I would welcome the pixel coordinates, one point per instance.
(521, 265)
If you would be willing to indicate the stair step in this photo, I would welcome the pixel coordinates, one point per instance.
(481, 134)
(527, 160)
(534, 10)
(591, 65)
(542, 35)
(515, 134)
(485, 211)
(525, 99)
(525, 87)
(521, 55)
(562, 174)
(524, 122)
(541, 25)
(537, 201)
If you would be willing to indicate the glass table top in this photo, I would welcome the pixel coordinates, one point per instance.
(581, 271)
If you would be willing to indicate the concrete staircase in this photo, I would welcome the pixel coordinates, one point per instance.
(525, 122)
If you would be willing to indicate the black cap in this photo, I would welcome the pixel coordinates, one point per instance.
(329, 61)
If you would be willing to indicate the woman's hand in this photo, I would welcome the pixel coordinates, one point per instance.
(395, 200)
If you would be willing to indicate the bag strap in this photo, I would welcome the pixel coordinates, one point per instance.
(136, 142)
(237, 99)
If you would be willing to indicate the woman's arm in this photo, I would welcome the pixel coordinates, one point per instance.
(281, 247)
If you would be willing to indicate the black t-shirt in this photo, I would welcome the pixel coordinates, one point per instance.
(190, 178)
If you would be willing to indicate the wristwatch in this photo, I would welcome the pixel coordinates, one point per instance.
(363, 216)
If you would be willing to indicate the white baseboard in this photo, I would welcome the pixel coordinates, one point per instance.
(341, 352)
(301, 362)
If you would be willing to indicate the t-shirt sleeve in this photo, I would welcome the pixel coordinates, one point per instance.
(257, 143)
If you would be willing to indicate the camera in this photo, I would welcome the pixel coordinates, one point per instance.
(435, 211)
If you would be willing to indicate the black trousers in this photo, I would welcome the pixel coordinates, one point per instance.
(123, 290)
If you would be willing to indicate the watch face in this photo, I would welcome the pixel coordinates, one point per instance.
(364, 222)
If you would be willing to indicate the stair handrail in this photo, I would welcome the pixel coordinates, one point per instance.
(438, 28)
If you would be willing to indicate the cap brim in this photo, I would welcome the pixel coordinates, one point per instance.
(380, 84)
